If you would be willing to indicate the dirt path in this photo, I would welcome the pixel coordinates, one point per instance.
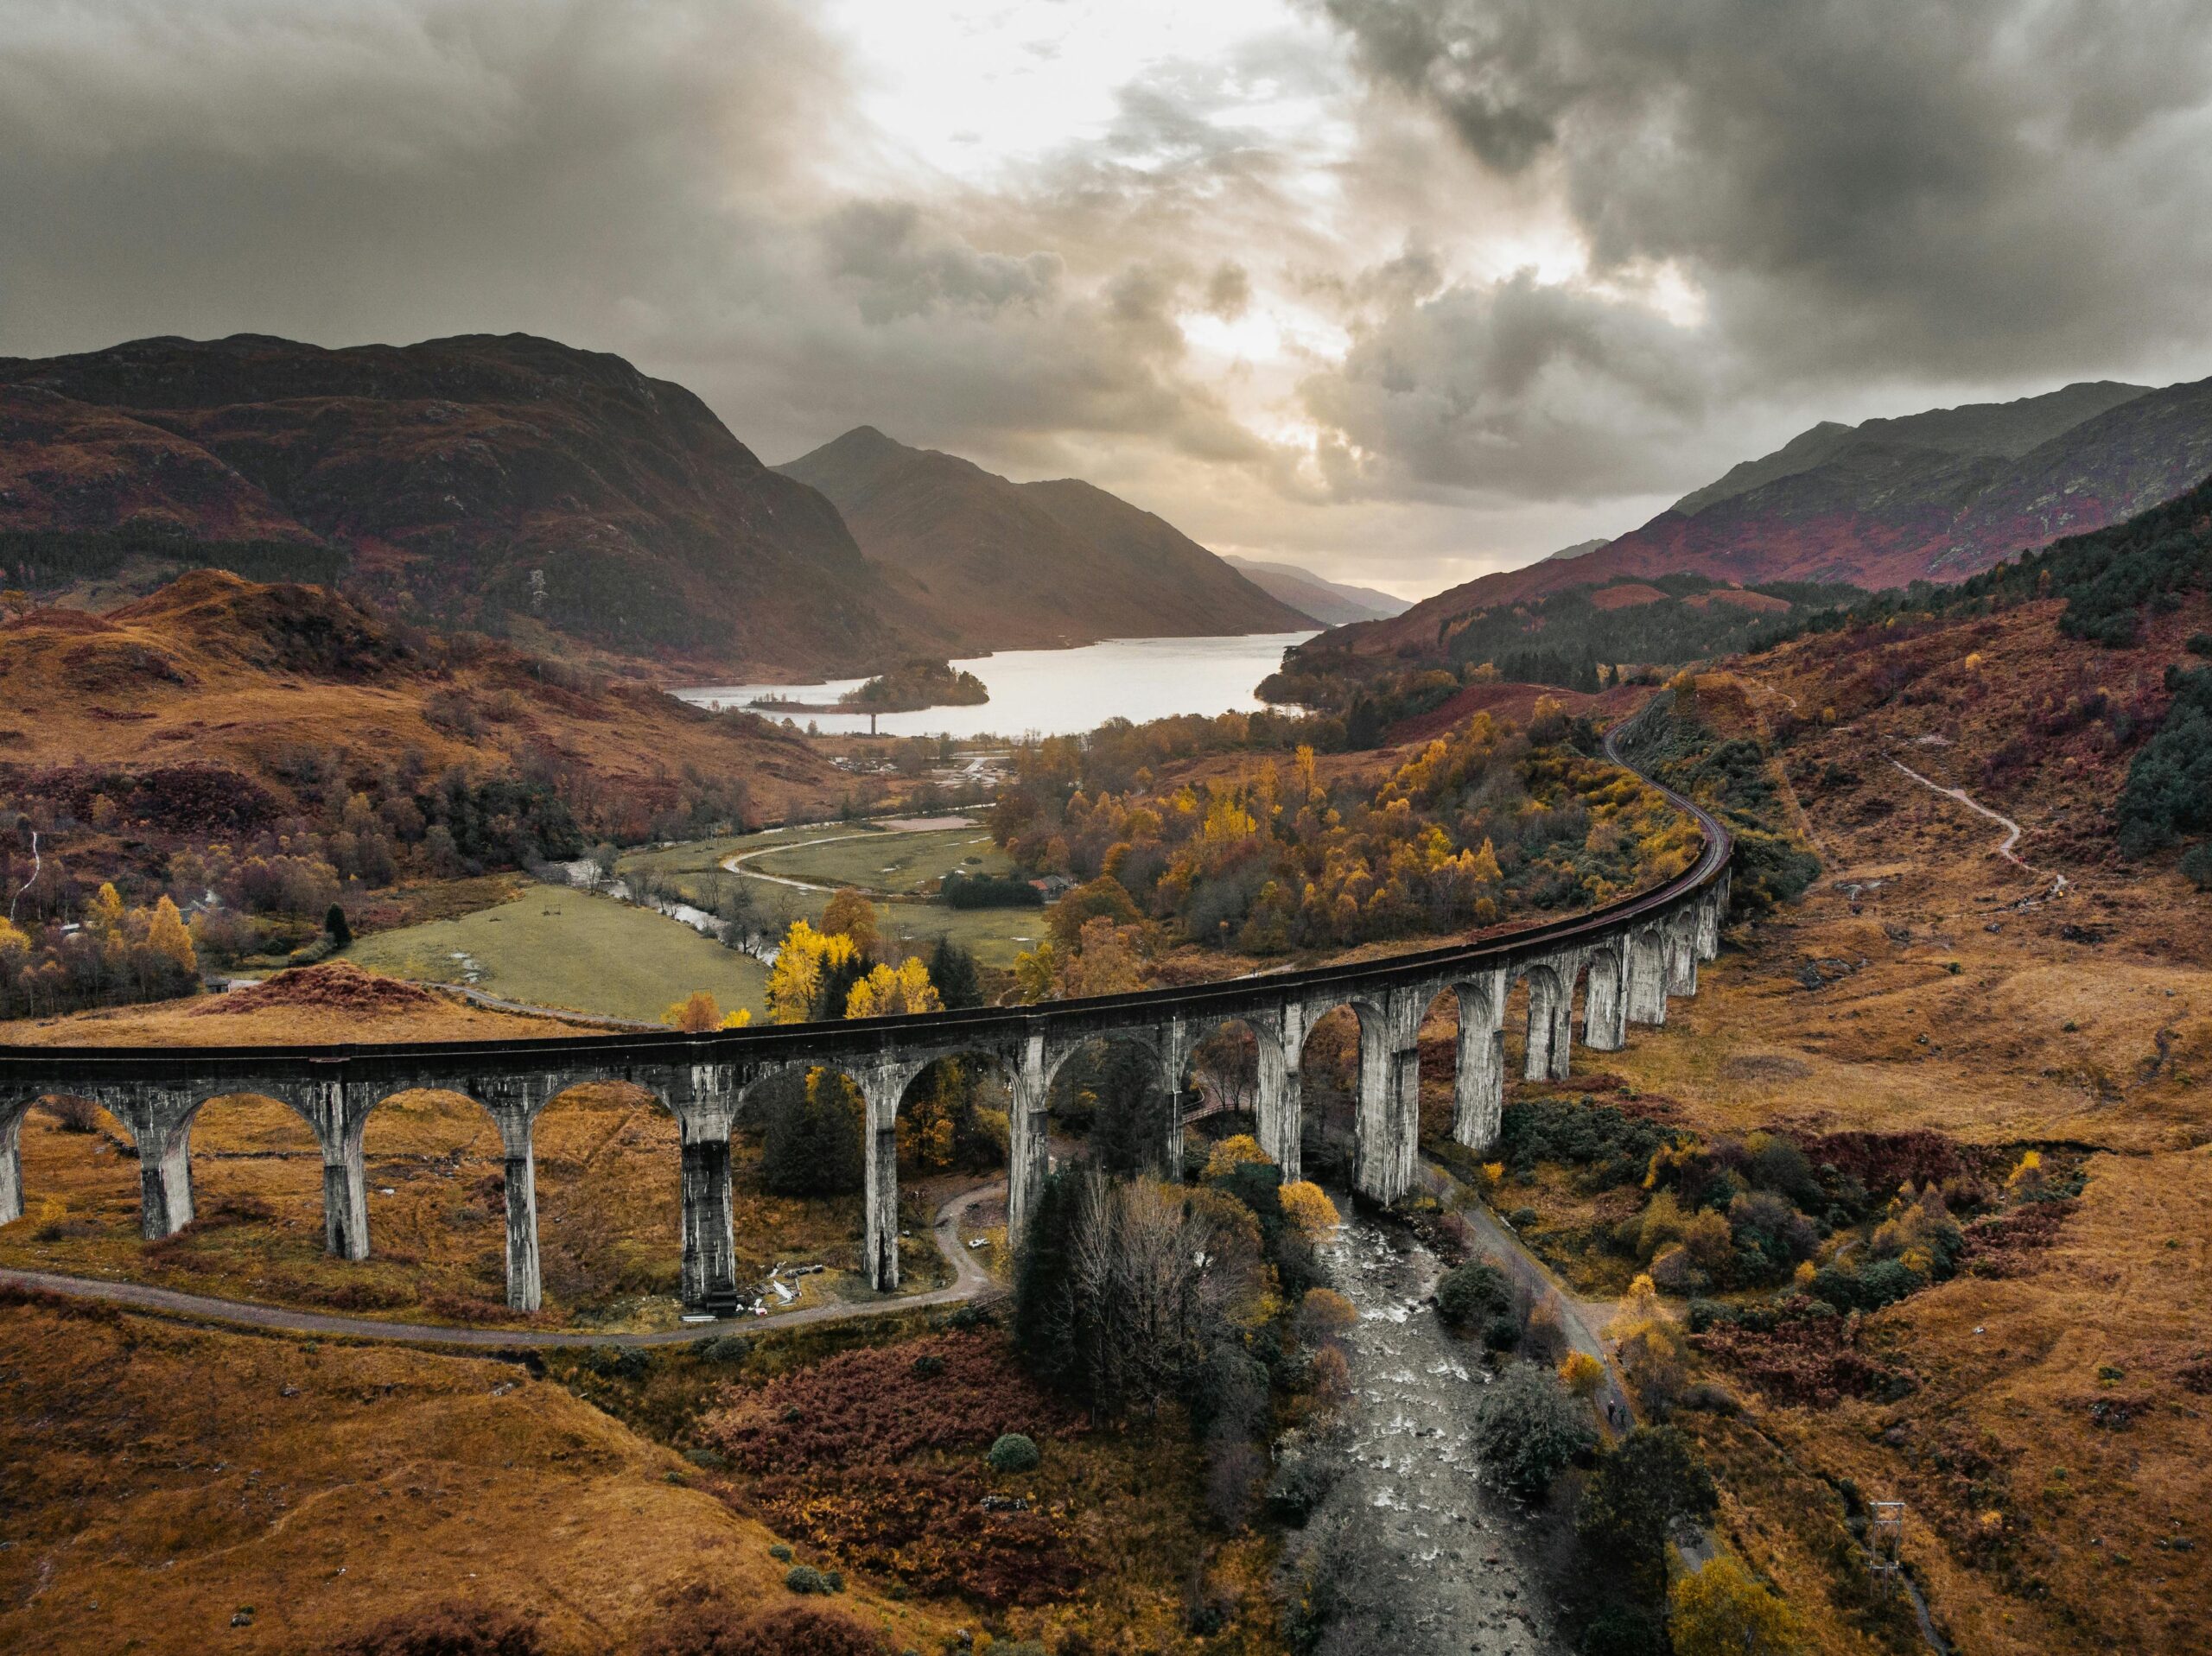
(734, 865)
(2012, 828)
(969, 1279)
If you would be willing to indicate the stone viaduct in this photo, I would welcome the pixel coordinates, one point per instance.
(1629, 957)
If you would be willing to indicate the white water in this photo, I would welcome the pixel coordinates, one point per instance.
(1059, 692)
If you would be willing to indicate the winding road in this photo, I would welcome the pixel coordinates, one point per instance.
(970, 1280)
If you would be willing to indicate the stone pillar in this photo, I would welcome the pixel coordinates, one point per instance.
(1282, 1043)
(1386, 1138)
(703, 1099)
(1709, 910)
(1604, 1002)
(1568, 968)
(11, 1158)
(1544, 996)
(1679, 938)
(340, 1116)
(525, 1288)
(1174, 1064)
(345, 1196)
(1028, 1128)
(1647, 976)
(164, 1177)
(881, 1086)
(1478, 1078)
(709, 1276)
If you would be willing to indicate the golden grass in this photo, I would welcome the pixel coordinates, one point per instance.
(161, 1478)
(2100, 1036)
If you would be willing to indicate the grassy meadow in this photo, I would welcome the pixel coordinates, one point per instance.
(570, 950)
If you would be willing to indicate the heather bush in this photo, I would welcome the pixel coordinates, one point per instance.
(716, 1626)
(872, 1404)
(446, 1630)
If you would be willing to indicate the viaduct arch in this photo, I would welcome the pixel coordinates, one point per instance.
(1630, 956)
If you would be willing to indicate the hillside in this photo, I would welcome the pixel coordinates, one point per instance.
(983, 563)
(498, 483)
(1332, 603)
(1935, 496)
(218, 708)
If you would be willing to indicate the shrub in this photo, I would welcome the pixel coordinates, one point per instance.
(804, 1578)
(1582, 1375)
(73, 1114)
(1502, 1332)
(1611, 1145)
(618, 1363)
(1014, 1452)
(446, 1630)
(2196, 864)
(1528, 1429)
(716, 1626)
(1472, 1293)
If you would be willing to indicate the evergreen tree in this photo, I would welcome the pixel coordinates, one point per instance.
(335, 923)
(811, 1137)
(953, 969)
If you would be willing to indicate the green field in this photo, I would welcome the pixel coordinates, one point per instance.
(885, 861)
(555, 948)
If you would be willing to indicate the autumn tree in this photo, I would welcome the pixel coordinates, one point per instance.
(811, 966)
(894, 991)
(849, 914)
(167, 936)
(699, 1013)
(1721, 1610)
(1309, 1210)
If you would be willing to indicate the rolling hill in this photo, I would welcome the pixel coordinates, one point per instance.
(1935, 496)
(981, 563)
(478, 481)
(217, 705)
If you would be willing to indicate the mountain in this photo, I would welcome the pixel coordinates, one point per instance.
(1578, 550)
(1331, 603)
(982, 563)
(1933, 496)
(484, 481)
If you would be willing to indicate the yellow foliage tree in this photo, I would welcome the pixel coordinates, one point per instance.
(107, 912)
(1307, 1207)
(1582, 1373)
(167, 936)
(1232, 1153)
(894, 992)
(1036, 971)
(698, 1012)
(796, 978)
(1722, 1611)
(851, 915)
(1323, 1313)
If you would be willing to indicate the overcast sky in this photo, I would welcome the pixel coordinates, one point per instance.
(1404, 291)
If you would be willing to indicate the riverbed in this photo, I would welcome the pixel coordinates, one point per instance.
(1057, 692)
(1423, 1558)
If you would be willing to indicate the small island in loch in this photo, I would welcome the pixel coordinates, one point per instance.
(910, 688)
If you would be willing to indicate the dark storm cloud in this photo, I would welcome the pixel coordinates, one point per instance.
(660, 179)
(1517, 389)
(1978, 189)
